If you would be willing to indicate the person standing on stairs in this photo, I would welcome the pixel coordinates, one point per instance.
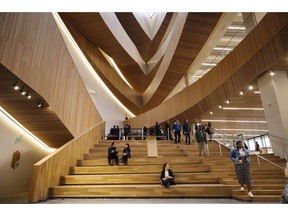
(186, 132)
(167, 176)
(240, 156)
(200, 136)
(177, 130)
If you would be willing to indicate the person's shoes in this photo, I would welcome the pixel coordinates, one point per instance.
(250, 194)
(242, 189)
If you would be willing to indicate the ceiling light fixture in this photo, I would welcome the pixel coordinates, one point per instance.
(233, 121)
(211, 112)
(40, 104)
(220, 106)
(243, 108)
(15, 85)
(256, 92)
(241, 93)
(22, 90)
(209, 64)
(227, 101)
(223, 48)
(250, 87)
(272, 73)
(236, 28)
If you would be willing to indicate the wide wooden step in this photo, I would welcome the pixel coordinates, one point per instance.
(259, 198)
(138, 161)
(147, 178)
(144, 191)
(276, 192)
(191, 168)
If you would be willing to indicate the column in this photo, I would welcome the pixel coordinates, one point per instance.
(274, 96)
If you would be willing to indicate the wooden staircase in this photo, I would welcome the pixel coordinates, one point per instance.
(211, 176)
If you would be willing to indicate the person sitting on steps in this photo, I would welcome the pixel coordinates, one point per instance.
(167, 176)
(112, 154)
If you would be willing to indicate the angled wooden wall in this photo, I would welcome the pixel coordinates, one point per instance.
(48, 171)
(32, 47)
(264, 46)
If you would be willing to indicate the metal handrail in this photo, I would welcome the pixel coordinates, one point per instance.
(282, 145)
(278, 137)
(258, 156)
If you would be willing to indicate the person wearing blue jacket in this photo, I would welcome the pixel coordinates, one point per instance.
(241, 159)
(177, 130)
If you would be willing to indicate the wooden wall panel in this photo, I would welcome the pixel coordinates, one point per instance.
(47, 171)
(32, 47)
(256, 53)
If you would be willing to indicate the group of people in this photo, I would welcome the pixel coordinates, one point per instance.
(113, 154)
(239, 156)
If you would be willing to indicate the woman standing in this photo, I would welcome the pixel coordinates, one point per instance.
(167, 176)
(241, 159)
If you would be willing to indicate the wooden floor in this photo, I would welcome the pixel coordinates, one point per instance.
(212, 176)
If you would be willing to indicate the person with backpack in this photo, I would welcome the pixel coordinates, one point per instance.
(200, 136)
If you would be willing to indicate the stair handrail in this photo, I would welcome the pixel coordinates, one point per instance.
(220, 143)
(282, 144)
(257, 155)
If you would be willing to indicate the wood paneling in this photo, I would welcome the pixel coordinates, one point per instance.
(32, 47)
(160, 82)
(253, 56)
(146, 47)
(43, 123)
(47, 172)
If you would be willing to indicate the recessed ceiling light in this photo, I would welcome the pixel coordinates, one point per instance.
(243, 108)
(209, 64)
(272, 73)
(236, 28)
(223, 48)
(233, 121)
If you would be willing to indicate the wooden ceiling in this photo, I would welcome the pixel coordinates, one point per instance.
(43, 123)
(91, 32)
